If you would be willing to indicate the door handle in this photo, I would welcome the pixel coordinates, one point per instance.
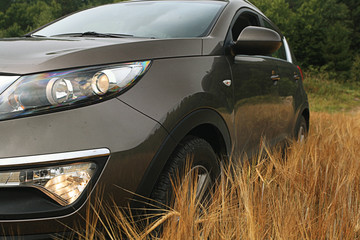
(275, 78)
(296, 77)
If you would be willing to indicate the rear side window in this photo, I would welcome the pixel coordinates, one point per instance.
(281, 53)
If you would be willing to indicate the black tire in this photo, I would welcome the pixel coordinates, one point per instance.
(193, 149)
(301, 130)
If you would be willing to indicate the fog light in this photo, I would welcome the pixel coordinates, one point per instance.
(63, 183)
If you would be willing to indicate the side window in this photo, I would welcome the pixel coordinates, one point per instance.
(244, 20)
(281, 53)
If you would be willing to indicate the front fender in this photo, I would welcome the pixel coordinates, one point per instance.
(182, 129)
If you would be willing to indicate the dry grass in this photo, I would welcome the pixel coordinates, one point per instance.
(314, 193)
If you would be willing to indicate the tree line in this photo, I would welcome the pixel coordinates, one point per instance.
(18, 17)
(324, 34)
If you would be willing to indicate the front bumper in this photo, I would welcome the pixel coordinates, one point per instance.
(127, 140)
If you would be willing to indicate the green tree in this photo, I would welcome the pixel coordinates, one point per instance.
(69, 6)
(2, 21)
(354, 7)
(280, 13)
(18, 17)
(4, 4)
(22, 17)
(294, 4)
(319, 31)
(323, 34)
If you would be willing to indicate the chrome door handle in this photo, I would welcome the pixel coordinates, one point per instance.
(275, 78)
(296, 77)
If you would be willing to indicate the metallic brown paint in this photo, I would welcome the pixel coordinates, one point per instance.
(27, 55)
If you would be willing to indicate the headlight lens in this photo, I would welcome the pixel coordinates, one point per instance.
(41, 92)
(64, 184)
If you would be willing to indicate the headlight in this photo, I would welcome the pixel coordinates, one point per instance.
(64, 184)
(40, 92)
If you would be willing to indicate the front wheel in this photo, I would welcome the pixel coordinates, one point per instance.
(301, 130)
(193, 157)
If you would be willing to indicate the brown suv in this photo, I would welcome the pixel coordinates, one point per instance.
(119, 95)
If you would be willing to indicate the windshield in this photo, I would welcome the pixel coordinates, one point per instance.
(173, 19)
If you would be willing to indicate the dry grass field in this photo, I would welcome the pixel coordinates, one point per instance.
(310, 192)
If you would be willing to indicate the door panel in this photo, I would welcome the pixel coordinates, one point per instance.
(256, 101)
(290, 95)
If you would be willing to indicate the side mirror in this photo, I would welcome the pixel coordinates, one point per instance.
(257, 41)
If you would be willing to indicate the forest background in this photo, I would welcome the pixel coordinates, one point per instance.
(324, 34)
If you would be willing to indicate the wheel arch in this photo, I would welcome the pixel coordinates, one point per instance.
(213, 136)
(203, 123)
(207, 124)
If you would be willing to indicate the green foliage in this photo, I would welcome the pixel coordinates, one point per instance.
(22, 17)
(355, 69)
(4, 4)
(322, 33)
(69, 6)
(330, 96)
(280, 13)
(354, 7)
(18, 17)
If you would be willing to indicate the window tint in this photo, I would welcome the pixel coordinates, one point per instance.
(244, 20)
(281, 53)
(173, 19)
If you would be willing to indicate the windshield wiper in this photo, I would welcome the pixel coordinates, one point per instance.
(93, 34)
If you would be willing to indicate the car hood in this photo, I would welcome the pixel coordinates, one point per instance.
(22, 56)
